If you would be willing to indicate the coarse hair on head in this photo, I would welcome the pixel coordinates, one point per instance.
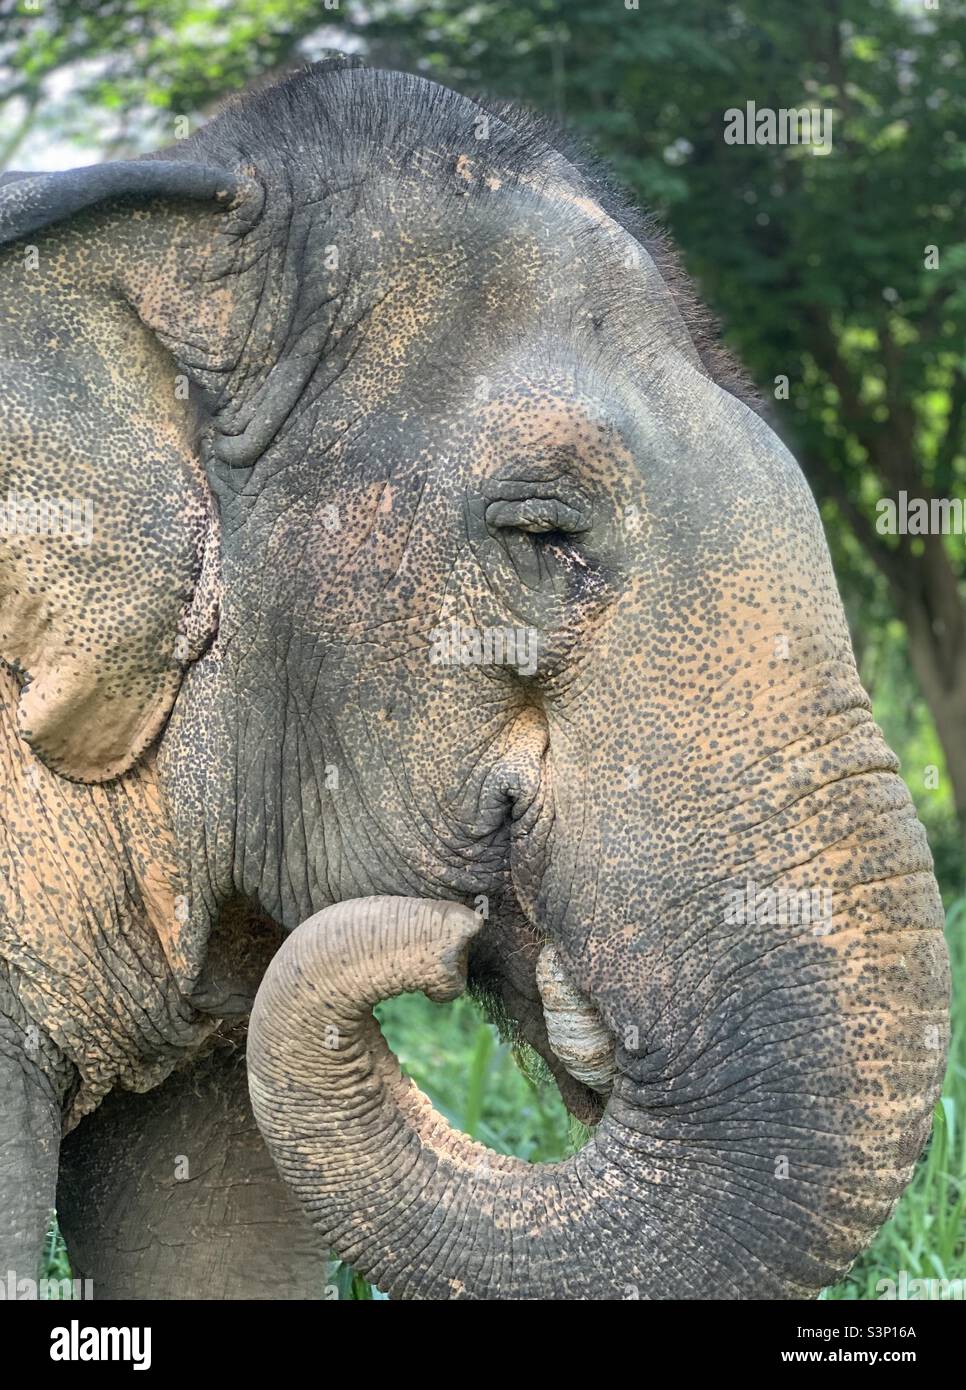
(338, 112)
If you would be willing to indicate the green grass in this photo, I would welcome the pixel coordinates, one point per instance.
(473, 1079)
(56, 1265)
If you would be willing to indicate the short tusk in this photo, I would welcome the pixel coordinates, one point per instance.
(574, 1028)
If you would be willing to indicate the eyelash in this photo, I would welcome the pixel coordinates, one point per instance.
(562, 539)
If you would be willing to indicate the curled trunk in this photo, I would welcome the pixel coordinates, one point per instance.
(682, 1191)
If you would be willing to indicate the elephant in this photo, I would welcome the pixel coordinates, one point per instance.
(401, 590)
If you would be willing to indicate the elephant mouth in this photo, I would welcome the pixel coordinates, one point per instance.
(526, 992)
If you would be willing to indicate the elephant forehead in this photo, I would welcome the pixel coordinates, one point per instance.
(553, 209)
(506, 258)
(547, 422)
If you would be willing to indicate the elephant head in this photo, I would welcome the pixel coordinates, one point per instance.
(461, 576)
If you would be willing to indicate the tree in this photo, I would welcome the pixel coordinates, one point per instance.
(134, 66)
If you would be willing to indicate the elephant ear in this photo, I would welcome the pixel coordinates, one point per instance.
(107, 541)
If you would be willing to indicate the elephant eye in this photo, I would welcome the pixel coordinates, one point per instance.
(538, 516)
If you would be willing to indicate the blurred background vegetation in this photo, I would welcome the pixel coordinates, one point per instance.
(839, 280)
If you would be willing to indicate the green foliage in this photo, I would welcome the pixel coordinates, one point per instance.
(904, 717)
(136, 65)
(473, 1080)
(56, 1264)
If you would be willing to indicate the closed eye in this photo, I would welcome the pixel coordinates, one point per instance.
(546, 517)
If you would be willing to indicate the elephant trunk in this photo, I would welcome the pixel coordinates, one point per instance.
(417, 1207)
(692, 1186)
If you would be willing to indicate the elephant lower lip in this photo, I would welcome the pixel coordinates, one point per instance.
(575, 1031)
(518, 1006)
(502, 976)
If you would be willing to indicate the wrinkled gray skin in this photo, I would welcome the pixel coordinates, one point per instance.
(335, 371)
